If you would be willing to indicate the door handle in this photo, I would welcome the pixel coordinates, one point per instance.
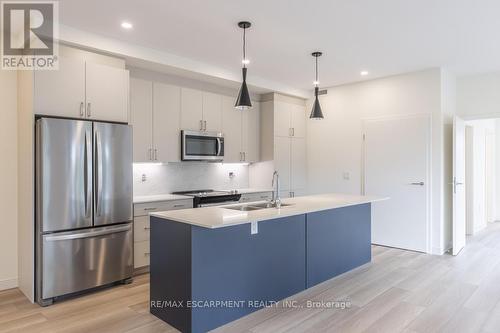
(204, 125)
(418, 183)
(87, 234)
(88, 169)
(155, 154)
(81, 109)
(88, 110)
(455, 184)
(99, 181)
(219, 146)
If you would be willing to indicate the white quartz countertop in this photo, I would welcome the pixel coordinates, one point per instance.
(159, 197)
(218, 217)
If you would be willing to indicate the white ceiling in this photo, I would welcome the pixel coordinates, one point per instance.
(384, 37)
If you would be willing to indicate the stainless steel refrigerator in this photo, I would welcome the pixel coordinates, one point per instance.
(84, 232)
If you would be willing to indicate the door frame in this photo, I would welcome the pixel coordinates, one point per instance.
(428, 176)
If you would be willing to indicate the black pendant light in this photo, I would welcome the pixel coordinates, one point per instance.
(316, 112)
(243, 101)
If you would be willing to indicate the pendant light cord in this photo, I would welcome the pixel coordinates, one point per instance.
(244, 47)
(316, 71)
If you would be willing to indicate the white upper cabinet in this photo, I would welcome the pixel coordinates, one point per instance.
(212, 112)
(166, 122)
(106, 92)
(61, 92)
(241, 132)
(141, 118)
(251, 133)
(282, 117)
(289, 119)
(298, 164)
(82, 89)
(191, 109)
(232, 129)
(298, 120)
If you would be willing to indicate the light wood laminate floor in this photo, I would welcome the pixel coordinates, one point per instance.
(400, 291)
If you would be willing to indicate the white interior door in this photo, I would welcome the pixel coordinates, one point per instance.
(459, 203)
(396, 165)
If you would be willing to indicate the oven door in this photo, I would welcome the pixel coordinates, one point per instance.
(202, 146)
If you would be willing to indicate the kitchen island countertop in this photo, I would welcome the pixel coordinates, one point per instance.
(218, 217)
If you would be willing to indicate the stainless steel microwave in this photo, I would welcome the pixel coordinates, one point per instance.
(202, 146)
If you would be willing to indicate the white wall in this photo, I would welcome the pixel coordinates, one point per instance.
(334, 145)
(480, 130)
(478, 96)
(497, 168)
(167, 178)
(8, 179)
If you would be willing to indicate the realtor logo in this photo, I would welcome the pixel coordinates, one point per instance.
(29, 30)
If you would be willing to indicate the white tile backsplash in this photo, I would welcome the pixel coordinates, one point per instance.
(167, 178)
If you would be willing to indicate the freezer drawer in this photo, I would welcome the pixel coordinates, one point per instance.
(75, 261)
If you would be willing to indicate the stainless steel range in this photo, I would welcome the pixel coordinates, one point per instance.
(207, 198)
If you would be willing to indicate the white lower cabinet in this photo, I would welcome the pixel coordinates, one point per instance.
(142, 226)
(141, 254)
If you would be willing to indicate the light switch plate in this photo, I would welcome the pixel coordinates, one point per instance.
(254, 229)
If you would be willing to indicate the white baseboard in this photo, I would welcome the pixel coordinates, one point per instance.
(440, 251)
(8, 284)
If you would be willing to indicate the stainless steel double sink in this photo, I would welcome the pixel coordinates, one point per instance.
(250, 207)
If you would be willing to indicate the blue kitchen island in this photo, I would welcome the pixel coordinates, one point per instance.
(213, 265)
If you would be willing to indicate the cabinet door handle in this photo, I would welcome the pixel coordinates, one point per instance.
(147, 228)
(156, 154)
(81, 109)
(149, 208)
(293, 131)
(204, 125)
(150, 154)
(147, 254)
(88, 109)
(201, 125)
(179, 205)
(244, 156)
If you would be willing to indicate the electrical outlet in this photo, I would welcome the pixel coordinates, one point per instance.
(254, 229)
(144, 178)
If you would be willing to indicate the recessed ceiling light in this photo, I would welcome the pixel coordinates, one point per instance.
(364, 73)
(127, 25)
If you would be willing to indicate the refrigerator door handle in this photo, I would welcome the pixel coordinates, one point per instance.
(87, 173)
(87, 234)
(98, 159)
